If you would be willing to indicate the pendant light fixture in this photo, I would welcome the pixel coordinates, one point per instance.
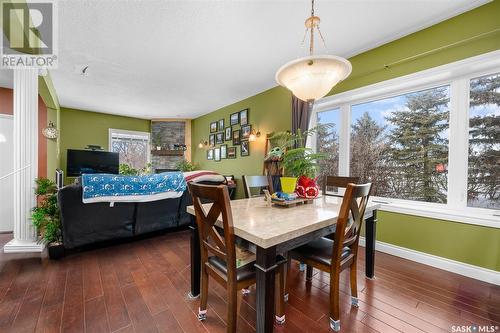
(312, 77)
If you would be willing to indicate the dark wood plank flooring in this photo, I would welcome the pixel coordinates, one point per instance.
(141, 286)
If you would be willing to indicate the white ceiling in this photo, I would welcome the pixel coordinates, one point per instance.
(182, 59)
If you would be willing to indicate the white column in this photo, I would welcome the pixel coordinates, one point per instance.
(25, 160)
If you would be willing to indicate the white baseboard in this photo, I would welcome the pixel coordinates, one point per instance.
(475, 272)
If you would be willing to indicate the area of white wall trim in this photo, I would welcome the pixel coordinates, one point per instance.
(474, 272)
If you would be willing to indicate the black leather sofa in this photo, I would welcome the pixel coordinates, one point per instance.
(84, 224)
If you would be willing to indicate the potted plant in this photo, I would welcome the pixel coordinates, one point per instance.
(44, 187)
(299, 163)
(45, 217)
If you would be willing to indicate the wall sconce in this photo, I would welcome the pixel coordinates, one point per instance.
(50, 132)
(202, 144)
(254, 135)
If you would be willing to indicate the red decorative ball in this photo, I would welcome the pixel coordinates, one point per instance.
(307, 188)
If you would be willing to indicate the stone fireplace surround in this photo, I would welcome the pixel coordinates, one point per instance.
(169, 133)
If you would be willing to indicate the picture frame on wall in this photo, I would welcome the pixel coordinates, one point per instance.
(228, 133)
(213, 127)
(221, 125)
(236, 137)
(219, 138)
(217, 154)
(244, 117)
(234, 118)
(245, 131)
(211, 140)
(223, 151)
(231, 152)
(245, 148)
(210, 154)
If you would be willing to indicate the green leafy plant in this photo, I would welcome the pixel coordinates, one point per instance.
(45, 217)
(127, 170)
(186, 166)
(298, 160)
(44, 186)
(147, 170)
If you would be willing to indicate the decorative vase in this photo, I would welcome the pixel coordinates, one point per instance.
(307, 187)
(288, 184)
(56, 251)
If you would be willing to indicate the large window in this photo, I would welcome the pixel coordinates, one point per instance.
(133, 147)
(429, 141)
(400, 144)
(483, 187)
(327, 141)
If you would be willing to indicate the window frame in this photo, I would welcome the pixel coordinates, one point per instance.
(458, 76)
(130, 134)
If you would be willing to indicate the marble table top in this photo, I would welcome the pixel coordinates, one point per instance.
(267, 226)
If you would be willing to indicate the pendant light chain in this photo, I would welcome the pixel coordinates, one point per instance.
(311, 44)
(322, 39)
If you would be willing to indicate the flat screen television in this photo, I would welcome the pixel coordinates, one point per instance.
(90, 161)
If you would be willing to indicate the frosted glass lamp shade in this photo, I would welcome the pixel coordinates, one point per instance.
(312, 77)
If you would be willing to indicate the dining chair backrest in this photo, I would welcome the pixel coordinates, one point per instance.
(338, 182)
(212, 242)
(350, 220)
(260, 182)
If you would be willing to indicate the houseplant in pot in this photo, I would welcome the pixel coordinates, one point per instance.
(299, 163)
(45, 217)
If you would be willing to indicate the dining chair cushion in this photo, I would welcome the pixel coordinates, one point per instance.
(244, 272)
(319, 250)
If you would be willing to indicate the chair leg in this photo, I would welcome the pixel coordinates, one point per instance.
(335, 301)
(354, 285)
(232, 311)
(309, 273)
(280, 296)
(202, 311)
(287, 276)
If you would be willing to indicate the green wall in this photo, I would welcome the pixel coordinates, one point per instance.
(271, 111)
(52, 155)
(81, 128)
(471, 244)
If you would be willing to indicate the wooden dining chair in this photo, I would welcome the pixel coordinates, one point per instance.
(221, 259)
(260, 182)
(333, 256)
(338, 182)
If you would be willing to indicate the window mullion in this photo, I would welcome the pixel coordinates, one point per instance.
(458, 144)
(344, 139)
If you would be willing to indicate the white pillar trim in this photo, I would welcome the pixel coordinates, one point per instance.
(25, 160)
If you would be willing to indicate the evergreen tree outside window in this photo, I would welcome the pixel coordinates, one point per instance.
(483, 181)
(400, 144)
(328, 142)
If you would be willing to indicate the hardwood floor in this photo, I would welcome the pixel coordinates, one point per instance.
(141, 287)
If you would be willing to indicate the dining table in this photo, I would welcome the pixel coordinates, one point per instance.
(276, 230)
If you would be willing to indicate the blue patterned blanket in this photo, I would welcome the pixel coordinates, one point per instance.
(119, 188)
